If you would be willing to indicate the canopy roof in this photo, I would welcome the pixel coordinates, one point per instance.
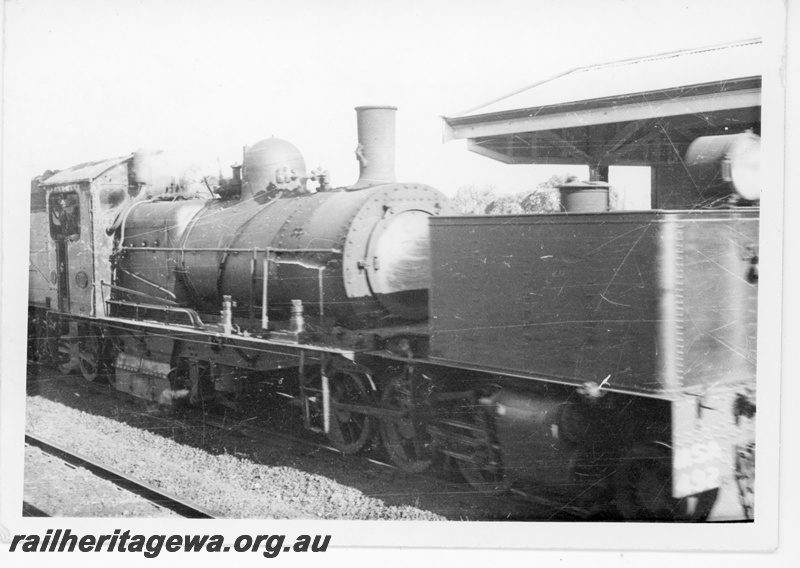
(626, 112)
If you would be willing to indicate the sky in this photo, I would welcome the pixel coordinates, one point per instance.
(88, 80)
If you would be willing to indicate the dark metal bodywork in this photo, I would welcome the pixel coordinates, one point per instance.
(607, 332)
(318, 248)
(651, 303)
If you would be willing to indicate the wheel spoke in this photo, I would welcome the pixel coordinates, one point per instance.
(349, 431)
(479, 459)
(87, 357)
(406, 441)
(67, 359)
(88, 354)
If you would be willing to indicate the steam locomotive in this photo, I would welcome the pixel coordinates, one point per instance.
(593, 357)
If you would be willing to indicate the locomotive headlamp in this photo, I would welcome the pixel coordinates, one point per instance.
(727, 163)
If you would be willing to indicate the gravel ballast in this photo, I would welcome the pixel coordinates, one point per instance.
(226, 484)
(79, 492)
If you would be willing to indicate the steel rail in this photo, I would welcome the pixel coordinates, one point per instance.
(156, 496)
(259, 433)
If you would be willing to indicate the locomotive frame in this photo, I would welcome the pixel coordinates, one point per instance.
(429, 388)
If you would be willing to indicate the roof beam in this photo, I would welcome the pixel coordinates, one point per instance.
(654, 136)
(562, 144)
(485, 126)
(474, 146)
(623, 136)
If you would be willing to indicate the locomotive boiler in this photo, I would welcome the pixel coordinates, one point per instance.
(354, 256)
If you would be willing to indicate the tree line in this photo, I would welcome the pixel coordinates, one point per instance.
(484, 200)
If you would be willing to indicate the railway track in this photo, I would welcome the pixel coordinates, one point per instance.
(387, 481)
(148, 492)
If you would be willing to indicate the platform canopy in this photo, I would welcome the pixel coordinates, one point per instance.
(636, 112)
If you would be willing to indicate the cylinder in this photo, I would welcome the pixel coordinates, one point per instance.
(547, 439)
(376, 145)
(584, 196)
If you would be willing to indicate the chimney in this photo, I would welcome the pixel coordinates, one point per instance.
(375, 152)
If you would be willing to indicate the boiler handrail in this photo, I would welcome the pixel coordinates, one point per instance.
(238, 250)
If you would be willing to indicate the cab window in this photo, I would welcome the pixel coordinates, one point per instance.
(65, 216)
